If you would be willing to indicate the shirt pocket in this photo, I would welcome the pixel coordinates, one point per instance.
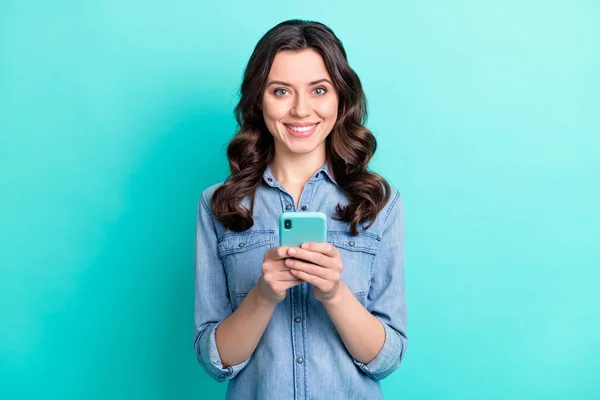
(243, 255)
(358, 253)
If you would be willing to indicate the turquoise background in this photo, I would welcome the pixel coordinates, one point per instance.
(114, 116)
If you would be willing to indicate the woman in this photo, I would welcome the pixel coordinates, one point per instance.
(327, 320)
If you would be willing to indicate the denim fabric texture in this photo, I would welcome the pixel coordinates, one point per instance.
(300, 355)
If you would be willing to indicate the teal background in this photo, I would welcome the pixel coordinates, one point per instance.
(114, 116)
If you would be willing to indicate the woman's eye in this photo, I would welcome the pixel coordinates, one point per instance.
(281, 92)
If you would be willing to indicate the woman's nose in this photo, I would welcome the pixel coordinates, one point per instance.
(301, 106)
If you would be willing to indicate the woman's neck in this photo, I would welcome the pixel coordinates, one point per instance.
(296, 170)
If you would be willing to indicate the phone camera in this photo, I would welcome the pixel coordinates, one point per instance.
(287, 223)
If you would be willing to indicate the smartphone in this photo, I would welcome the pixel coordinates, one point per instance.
(296, 228)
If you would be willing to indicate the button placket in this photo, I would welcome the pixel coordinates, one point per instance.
(286, 201)
(306, 196)
(297, 295)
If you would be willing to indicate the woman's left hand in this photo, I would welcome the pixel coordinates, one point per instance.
(319, 264)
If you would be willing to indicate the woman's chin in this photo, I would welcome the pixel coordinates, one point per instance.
(302, 148)
(299, 146)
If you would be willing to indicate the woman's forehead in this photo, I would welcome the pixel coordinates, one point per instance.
(298, 67)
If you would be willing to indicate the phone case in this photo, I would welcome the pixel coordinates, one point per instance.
(305, 227)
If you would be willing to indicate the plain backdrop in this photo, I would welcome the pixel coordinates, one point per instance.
(115, 115)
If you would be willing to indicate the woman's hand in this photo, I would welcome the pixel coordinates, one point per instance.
(319, 264)
(275, 278)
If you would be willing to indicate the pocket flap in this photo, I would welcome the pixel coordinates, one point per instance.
(240, 242)
(364, 241)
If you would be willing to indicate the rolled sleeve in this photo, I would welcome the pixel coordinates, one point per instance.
(207, 347)
(212, 304)
(386, 299)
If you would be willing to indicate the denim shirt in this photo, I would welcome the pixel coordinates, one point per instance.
(300, 355)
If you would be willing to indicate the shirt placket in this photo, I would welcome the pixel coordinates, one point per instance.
(298, 300)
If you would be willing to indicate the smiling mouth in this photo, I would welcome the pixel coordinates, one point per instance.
(301, 129)
(302, 132)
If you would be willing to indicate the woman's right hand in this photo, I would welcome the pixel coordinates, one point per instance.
(276, 277)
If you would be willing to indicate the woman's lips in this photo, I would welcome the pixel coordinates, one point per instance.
(301, 134)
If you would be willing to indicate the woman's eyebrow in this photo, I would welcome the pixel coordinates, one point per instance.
(288, 84)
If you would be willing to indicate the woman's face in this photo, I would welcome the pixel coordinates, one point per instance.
(299, 95)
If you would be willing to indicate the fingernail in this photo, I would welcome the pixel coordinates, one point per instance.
(292, 252)
(304, 245)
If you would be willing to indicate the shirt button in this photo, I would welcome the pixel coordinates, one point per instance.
(270, 180)
(317, 175)
(242, 244)
(299, 360)
(298, 319)
(303, 208)
(288, 206)
(351, 243)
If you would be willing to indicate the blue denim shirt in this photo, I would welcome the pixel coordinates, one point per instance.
(300, 355)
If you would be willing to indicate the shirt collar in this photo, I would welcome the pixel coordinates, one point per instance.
(317, 176)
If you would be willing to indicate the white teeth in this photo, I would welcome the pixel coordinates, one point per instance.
(302, 129)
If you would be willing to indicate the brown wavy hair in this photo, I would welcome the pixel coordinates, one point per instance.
(349, 147)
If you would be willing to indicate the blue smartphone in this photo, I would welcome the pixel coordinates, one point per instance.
(296, 228)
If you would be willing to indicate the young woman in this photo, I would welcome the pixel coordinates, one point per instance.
(321, 321)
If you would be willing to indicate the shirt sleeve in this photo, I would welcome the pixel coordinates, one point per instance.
(212, 304)
(386, 299)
